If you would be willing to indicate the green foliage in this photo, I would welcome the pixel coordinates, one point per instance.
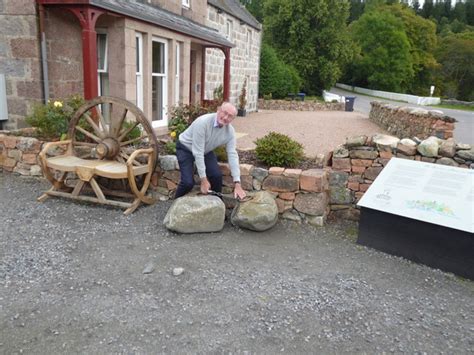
(255, 7)
(170, 147)
(182, 116)
(134, 133)
(276, 78)
(384, 62)
(312, 36)
(456, 53)
(277, 149)
(221, 153)
(243, 96)
(218, 94)
(52, 119)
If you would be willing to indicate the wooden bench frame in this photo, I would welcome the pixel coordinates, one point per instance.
(108, 140)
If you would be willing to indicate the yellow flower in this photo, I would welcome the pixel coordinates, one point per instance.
(173, 134)
(58, 104)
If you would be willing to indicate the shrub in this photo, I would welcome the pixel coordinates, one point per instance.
(276, 77)
(52, 119)
(243, 96)
(221, 153)
(170, 147)
(277, 149)
(218, 94)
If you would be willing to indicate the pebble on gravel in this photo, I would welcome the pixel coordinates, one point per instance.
(178, 271)
(149, 268)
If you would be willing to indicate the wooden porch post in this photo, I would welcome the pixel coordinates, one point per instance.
(226, 73)
(87, 17)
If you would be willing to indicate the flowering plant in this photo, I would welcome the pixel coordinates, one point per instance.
(52, 119)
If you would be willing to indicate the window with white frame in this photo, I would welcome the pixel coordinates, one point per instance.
(176, 78)
(228, 30)
(186, 3)
(102, 63)
(249, 43)
(159, 82)
(139, 68)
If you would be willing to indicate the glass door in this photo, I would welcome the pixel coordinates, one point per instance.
(159, 80)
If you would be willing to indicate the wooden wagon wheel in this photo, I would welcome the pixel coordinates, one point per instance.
(110, 128)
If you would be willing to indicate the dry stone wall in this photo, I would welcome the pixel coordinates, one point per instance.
(357, 163)
(287, 105)
(412, 122)
(301, 195)
(20, 155)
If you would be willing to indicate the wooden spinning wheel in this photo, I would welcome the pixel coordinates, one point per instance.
(109, 138)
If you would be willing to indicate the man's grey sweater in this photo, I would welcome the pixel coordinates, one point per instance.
(202, 137)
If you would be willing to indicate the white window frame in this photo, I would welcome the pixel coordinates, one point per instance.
(164, 121)
(248, 47)
(186, 3)
(139, 73)
(228, 29)
(101, 31)
(177, 70)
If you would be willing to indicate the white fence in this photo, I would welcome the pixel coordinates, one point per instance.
(412, 99)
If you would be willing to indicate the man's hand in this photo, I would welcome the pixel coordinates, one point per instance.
(239, 193)
(205, 186)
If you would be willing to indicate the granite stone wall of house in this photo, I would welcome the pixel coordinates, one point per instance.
(20, 58)
(245, 58)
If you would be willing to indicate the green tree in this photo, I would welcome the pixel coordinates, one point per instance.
(421, 34)
(356, 10)
(456, 53)
(427, 10)
(255, 7)
(384, 61)
(312, 36)
(276, 77)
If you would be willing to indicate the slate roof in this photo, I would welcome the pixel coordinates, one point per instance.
(162, 18)
(236, 9)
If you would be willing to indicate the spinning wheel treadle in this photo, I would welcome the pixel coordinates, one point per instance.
(108, 137)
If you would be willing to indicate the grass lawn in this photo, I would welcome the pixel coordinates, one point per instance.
(455, 107)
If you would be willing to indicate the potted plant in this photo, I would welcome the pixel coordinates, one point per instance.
(242, 100)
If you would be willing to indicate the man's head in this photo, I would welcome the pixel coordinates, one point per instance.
(226, 114)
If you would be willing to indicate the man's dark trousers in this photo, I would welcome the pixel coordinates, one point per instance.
(186, 167)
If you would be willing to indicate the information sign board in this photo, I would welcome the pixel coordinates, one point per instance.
(433, 193)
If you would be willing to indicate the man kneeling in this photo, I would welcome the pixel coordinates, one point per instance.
(197, 143)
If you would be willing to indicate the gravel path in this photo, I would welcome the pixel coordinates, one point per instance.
(72, 281)
(319, 131)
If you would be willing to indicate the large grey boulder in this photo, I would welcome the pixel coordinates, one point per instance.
(196, 214)
(429, 147)
(385, 142)
(258, 214)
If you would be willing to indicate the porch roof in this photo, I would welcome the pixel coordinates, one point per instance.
(154, 15)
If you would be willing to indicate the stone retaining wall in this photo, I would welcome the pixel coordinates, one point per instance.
(301, 195)
(295, 105)
(411, 122)
(357, 163)
(20, 155)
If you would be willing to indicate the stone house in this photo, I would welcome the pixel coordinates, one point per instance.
(154, 53)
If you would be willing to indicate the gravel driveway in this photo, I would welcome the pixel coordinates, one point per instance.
(71, 281)
(318, 131)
